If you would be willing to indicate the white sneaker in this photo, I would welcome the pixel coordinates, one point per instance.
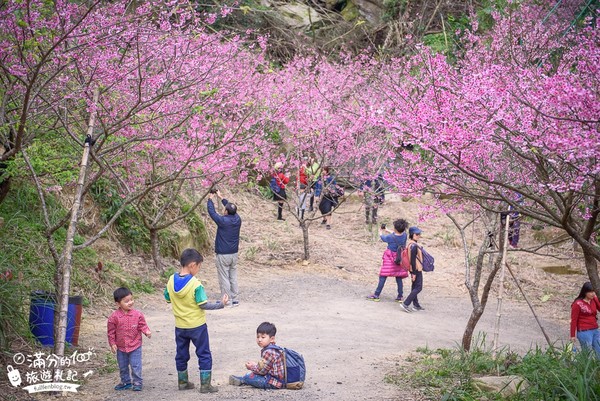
(405, 308)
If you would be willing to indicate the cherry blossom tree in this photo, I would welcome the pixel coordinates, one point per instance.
(156, 96)
(512, 123)
(320, 116)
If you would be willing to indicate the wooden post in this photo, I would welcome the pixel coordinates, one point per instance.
(501, 288)
(530, 306)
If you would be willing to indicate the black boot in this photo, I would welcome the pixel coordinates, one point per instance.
(280, 211)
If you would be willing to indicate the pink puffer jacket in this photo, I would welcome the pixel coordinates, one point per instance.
(389, 268)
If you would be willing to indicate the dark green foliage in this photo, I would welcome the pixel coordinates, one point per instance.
(391, 9)
(552, 374)
(196, 226)
(12, 319)
(560, 375)
(25, 254)
(137, 286)
(167, 241)
(129, 224)
(24, 246)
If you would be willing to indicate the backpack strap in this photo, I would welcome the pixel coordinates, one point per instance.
(282, 351)
(410, 246)
(417, 256)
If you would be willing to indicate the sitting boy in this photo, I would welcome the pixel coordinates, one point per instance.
(269, 372)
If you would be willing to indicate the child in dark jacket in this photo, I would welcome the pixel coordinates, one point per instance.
(328, 192)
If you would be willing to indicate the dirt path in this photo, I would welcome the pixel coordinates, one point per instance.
(349, 343)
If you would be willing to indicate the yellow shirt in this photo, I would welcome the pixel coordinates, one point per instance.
(186, 298)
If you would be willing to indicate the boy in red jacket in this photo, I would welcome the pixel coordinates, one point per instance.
(124, 329)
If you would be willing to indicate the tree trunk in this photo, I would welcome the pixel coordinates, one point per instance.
(501, 287)
(156, 249)
(467, 338)
(64, 267)
(304, 227)
(479, 303)
(4, 185)
(591, 266)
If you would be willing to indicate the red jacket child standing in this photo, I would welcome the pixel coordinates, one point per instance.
(278, 183)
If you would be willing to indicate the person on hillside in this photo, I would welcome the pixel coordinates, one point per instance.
(381, 185)
(269, 372)
(583, 319)
(396, 240)
(313, 171)
(327, 192)
(227, 242)
(372, 193)
(124, 329)
(416, 271)
(186, 295)
(303, 189)
(279, 181)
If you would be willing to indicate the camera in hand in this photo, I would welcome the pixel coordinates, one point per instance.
(383, 226)
(213, 190)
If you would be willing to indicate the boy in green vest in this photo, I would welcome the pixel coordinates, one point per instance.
(188, 299)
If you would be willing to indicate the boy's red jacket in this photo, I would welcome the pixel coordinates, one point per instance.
(302, 177)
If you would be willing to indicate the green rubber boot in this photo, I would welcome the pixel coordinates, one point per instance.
(205, 386)
(182, 379)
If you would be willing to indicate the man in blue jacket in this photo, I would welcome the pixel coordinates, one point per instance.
(227, 243)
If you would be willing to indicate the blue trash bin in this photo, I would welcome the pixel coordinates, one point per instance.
(41, 317)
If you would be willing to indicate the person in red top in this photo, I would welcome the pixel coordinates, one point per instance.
(124, 328)
(302, 176)
(279, 180)
(583, 318)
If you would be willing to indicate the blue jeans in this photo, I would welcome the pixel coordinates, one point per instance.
(382, 280)
(199, 337)
(258, 381)
(590, 339)
(133, 359)
(415, 289)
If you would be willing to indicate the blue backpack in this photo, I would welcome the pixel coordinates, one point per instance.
(295, 369)
(274, 186)
(428, 261)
